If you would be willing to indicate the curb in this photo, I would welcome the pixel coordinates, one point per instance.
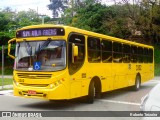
(6, 92)
(6, 86)
(6, 76)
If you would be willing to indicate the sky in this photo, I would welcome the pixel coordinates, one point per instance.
(39, 5)
(20, 5)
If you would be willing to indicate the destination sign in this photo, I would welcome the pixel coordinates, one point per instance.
(40, 32)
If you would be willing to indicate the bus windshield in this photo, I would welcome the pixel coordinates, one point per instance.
(44, 55)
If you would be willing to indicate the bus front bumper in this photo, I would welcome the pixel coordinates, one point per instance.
(58, 93)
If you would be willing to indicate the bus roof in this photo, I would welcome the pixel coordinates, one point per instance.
(85, 32)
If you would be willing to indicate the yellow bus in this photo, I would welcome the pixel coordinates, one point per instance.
(57, 62)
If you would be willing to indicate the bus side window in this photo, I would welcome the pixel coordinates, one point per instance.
(145, 57)
(94, 51)
(126, 53)
(140, 55)
(133, 54)
(106, 51)
(150, 55)
(117, 52)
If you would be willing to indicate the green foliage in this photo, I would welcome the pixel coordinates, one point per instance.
(138, 22)
(157, 60)
(110, 20)
(25, 18)
(4, 37)
(90, 18)
(10, 21)
(57, 5)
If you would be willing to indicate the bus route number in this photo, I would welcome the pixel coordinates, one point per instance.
(138, 67)
(21, 80)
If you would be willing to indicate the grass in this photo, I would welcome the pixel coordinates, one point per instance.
(6, 89)
(6, 81)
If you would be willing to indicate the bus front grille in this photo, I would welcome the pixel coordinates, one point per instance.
(34, 85)
(34, 76)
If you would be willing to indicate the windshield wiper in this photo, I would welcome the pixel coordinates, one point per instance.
(28, 48)
(43, 45)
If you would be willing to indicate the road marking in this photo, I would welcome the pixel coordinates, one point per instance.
(154, 81)
(120, 102)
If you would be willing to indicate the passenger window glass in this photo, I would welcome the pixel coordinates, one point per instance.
(133, 54)
(94, 52)
(140, 55)
(145, 56)
(106, 51)
(126, 53)
(150, 56)
(117, 52)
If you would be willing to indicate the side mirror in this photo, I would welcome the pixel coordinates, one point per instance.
(9, 48)
(74, 51)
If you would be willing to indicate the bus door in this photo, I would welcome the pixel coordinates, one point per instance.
(76, 55)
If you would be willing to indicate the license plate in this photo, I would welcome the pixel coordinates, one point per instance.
(31, 92)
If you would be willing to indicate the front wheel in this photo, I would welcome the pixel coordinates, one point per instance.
(137, 85)
(91, 93)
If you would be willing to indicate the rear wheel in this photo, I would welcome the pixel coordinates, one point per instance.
(137, 85)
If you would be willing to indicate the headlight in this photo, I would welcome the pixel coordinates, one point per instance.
(51, 86)
(143, 102)
(16, 82)
(55, 84)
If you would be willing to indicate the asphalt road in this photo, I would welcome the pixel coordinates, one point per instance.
(118, 100)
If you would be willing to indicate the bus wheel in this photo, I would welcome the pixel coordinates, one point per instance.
(91, 93)
(137, 85)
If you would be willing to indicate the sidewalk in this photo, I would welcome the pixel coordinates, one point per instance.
(6, 76)
(6, 92)
(6, 87)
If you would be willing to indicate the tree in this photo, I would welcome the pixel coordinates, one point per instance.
(58, 6)
(90, 18)
(74, 7)
(6, 23)
(25, 18)
(145, 14)
(109, 20)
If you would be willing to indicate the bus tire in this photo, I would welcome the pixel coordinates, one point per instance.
(137, 85)
(91, 93)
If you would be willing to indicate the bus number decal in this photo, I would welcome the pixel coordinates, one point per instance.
(83, 75)
(138, 67)
(21, 80)
(129, 66)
